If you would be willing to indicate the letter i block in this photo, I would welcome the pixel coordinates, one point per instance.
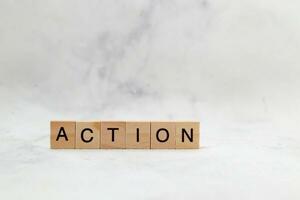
(62, 134)
(162, 135)
(187, 135)
(87, 135)
(137, 135)
(113, 135)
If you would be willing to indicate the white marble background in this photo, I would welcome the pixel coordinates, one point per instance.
(233, 65)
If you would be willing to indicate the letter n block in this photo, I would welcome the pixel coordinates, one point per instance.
(187, 135)
(137, 135)
(113, 135)
(62, 134)
(162, 135)
(87, 135)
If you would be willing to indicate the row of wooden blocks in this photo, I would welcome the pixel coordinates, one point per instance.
(124, 135)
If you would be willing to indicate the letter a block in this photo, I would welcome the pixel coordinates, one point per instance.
(113, 135)
(87, 135)
(137, 135)
(62, 134)
(162, 135)
(187, 135)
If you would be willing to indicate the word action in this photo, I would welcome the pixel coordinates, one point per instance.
(124, 135)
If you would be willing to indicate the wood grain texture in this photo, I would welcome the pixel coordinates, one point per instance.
(162, 135)
(62, 134)
(138, 135)
(87, 135)
(187, 135)
(113, 135)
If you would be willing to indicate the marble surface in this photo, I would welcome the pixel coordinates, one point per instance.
(233, 65)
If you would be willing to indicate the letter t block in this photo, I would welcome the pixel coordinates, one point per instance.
(113, 135)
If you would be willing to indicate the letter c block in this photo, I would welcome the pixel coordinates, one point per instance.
(87, 135)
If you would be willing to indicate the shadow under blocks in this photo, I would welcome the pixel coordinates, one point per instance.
(124, 135)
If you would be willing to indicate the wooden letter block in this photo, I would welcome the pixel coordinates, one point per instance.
(187, 135)
(62, 134)
(162, 135)
(113, 135)
(137, 135)
(87, 135)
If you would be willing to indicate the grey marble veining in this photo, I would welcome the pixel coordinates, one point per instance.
(233, 65)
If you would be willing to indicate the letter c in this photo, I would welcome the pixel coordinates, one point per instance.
(82, 133)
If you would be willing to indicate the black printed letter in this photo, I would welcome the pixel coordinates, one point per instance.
(82, 132)
(137, 135)
(190, 137)
(62, 135)
(167, 134)
(113, 133)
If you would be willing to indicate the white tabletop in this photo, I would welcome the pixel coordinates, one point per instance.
(232, 65)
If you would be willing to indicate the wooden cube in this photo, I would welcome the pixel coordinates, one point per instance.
(162, 135)
(62, 134)
(87, 135)
(113, 135)
(187, 135)
(137, 135)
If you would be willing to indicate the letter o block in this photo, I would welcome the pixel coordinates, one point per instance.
(162, 135)
(87, 135)
(62, 134)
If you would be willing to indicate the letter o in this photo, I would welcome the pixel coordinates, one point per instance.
(157, 135)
